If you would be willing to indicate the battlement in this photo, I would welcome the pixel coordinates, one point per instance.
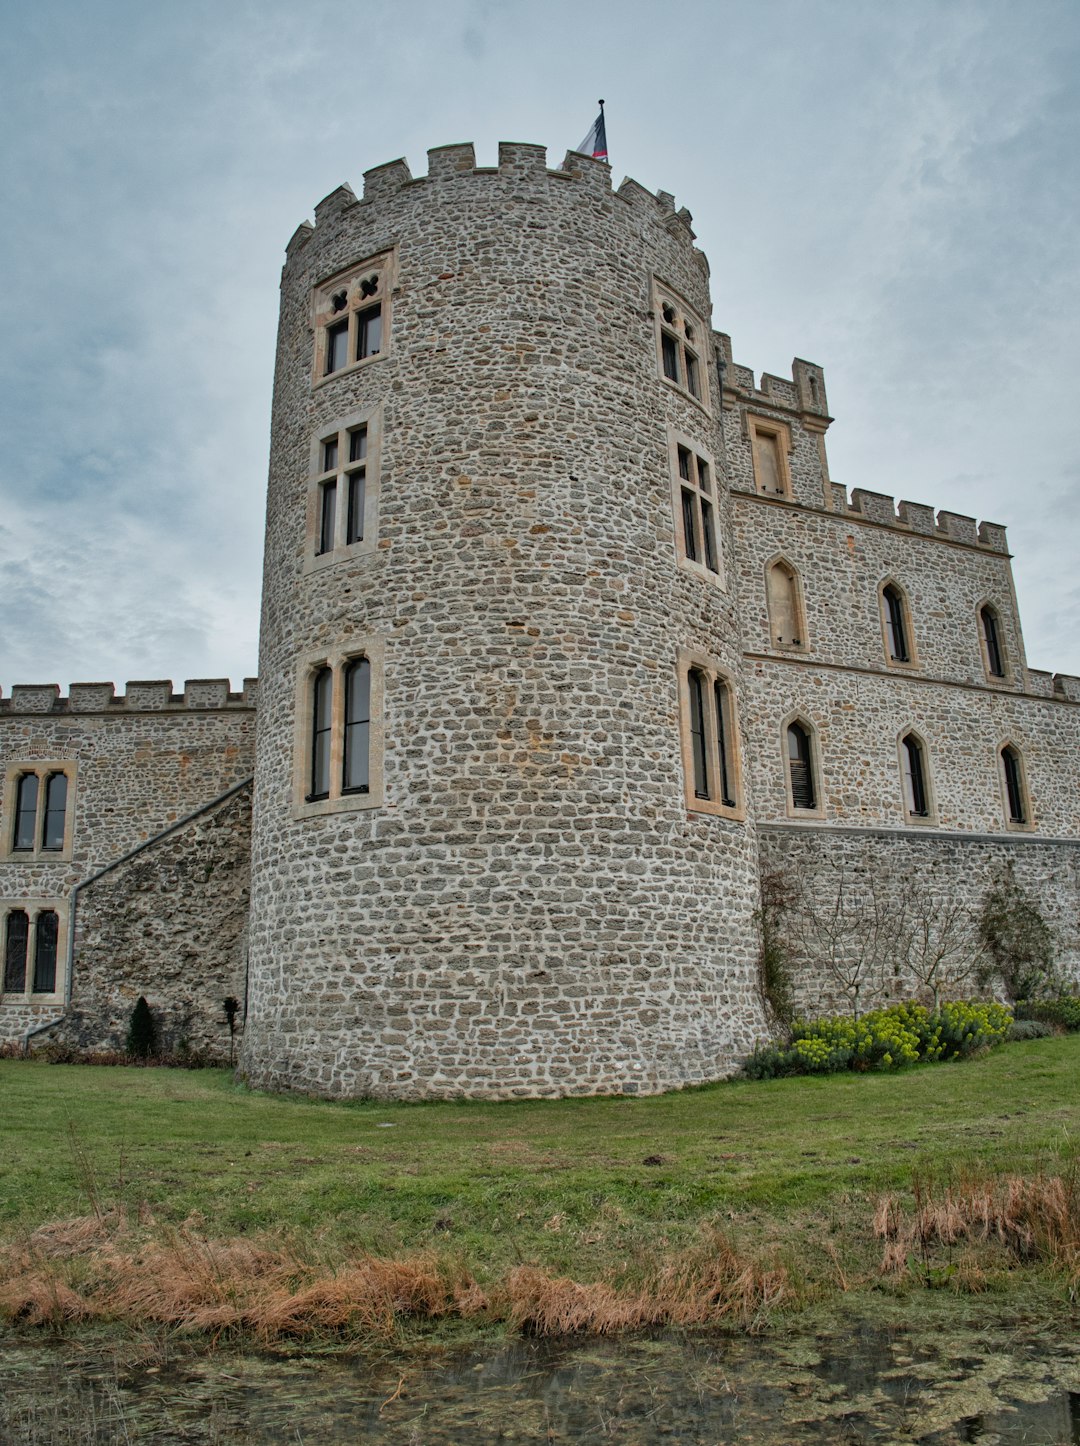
(917, 517)
(154, 696)
(519, 162)
(802, 393)
(1054, 685)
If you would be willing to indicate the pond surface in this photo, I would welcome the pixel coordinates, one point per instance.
(851, 1385)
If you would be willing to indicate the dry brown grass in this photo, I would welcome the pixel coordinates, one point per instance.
(105, 1268)
(709, 1285)
(1036, 1219)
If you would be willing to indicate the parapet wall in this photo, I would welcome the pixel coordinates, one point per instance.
(151, 696)
(518, 161)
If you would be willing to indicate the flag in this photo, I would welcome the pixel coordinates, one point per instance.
(595, 143)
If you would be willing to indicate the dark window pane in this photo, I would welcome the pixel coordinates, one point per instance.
(684, 464)
(895, 632)
(692, 385)
(703, 476)
(800, 767)
(328, 518)
(697, 733)
(689, 524)
(322, 703)
(993, 644)
(1013, 786)
(914, 778)
(358, 445)
(369, 332)
(55, 809)
(329, 455)
(670, 353)
(722, 700)
(357, 726)
(46, 930)
(355, 519)
(26, 811)
(16, 934)
(709, 529)
(337, 346)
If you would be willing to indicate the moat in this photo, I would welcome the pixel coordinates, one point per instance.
(860, 1383)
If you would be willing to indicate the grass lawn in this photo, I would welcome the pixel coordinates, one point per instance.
(582, 1186)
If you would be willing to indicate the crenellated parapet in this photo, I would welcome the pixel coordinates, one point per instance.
(802, 394)
(1054, 685)
(522, 165)
(154, 696)
(917, 517)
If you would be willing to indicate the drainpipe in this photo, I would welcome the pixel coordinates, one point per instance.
(93, 878)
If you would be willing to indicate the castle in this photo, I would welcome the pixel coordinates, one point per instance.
(568, 640)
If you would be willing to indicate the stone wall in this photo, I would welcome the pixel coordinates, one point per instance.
(171, 925)
(142, 762)
(891, 873)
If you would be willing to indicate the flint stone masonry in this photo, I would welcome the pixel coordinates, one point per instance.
(528, 899)
(143, 761)
(898, 864)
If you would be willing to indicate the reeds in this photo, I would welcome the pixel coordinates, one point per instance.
(1033, 1220)
(105, 1268)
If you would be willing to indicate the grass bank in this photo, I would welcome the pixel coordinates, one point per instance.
(720, 1203)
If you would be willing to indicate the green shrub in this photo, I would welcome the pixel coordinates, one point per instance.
(884, 1039)
(1064, 1012)
(142, 1031)
(1029, 1029)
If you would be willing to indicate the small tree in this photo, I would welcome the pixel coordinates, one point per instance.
(853, 931)
(142, 1036)
(1017, 939)
(944, 946)
(232, 1009)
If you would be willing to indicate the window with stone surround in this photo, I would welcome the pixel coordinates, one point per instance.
(33, 936)
(1014, 792)
(770, 445)
(915, 780)
(343, 489)
(896, 630)
(802, 773)
(352, 317)
(710, 737)
(992, 643)
(339, 735)
(783, 596)
(694, 498)
(38, 811)
(680, 341)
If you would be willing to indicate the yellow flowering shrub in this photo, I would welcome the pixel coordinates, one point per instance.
(888, 1038)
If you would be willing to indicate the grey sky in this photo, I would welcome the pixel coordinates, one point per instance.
(888, 190)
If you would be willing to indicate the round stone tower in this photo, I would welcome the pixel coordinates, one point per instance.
(501, 842)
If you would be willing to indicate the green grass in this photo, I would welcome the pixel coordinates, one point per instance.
(558, 1183)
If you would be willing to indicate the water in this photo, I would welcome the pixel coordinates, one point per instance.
(857, 1384)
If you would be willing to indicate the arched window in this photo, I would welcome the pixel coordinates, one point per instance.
(355, 775)
(993, 649)
(46, 933)
(916, 791)
(16, 940)
(322, 695)
(1012, 772)
(800, 764)
(894, 621)
(710, 739)
(786, 629)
